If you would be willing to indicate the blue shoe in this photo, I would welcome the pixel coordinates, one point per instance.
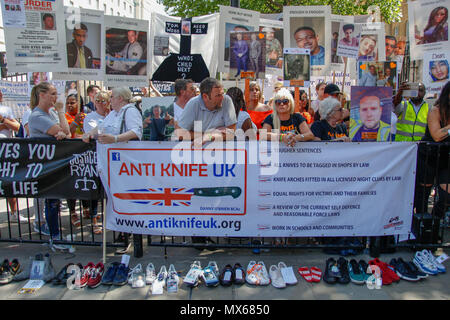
(109, 275)
(45, 230)
(121, 277)
(356, 276)
(403, 271)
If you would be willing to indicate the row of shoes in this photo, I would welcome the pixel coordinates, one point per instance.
(8, 270)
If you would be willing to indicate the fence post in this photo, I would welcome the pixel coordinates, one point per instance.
(138, 247)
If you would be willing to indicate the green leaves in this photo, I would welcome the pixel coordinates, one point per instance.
(390, 9)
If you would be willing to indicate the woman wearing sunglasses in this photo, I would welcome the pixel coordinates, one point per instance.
(102, 107)
(285, 125)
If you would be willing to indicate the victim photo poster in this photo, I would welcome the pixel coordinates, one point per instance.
(126, 52)
(428, 27)
(309, 27)
(85, 41)
(233, 20)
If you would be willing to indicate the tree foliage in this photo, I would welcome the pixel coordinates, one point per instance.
(390, 9)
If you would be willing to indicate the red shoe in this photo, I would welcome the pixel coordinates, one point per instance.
(96, 276)
(389, 269)
(86, 274)
(384, 275)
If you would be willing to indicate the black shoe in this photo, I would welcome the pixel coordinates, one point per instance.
(238, 270)
(62, 276)
(330, 276)
(227, 276)
(343, 269)
(402, 270)
(363, 266)
(413, 268)
(6, 275)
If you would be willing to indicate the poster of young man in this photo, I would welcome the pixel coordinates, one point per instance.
(377, 74)
(126, 53)
(348, 40)
(308, 27)
(435, 71)
(428, 27)
(40, 45)
(370, 114)
(165, 37)
(371, 42)
(85, 46)
(237, 20)
(248, 53)
(337, 63)
(274, 45)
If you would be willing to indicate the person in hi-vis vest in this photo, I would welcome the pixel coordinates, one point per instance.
(412, 115)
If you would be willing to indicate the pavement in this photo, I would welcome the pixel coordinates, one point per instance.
(432, 288)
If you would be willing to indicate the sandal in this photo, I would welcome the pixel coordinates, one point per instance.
(96, 228)
(75, 220)
(305, 273)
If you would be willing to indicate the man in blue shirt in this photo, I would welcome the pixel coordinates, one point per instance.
(369, 79)
(306, 38)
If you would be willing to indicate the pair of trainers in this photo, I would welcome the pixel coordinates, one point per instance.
(8, 270)
(257, 274)
(426, 262)
(336, 271)
(232, 275)
(116, 274)
(405, 272)
(92, 275)
(192, 278)
(388, 274)
(358, 271)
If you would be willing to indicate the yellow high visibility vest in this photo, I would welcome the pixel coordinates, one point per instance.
(412, 126)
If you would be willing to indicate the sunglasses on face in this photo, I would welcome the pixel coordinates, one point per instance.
(282, 101)
(100, 101)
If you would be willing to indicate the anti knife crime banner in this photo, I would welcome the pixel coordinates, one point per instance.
(41, 168)
(259, 189)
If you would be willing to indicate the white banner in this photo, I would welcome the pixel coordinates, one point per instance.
(39, 46)
(313, 189)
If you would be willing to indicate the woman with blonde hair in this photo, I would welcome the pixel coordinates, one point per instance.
(42, 123)
(257, 110)
(285, 125)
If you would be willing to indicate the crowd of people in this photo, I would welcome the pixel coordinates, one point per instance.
(115, 116)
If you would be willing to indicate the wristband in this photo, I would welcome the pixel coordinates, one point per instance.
(116, 139)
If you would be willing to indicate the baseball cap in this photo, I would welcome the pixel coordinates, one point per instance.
(331, 88)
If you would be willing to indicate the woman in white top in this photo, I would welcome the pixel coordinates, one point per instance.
(102, 103)
(122, 124)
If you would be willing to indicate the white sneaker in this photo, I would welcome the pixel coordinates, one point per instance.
(276, 277)
(251, 277)
(421, 261)
(133, 276)
(432, 259)
(150, 273)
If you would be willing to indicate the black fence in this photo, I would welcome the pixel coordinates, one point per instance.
(430, 222)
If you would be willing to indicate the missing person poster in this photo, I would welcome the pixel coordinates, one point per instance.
(165, 37)
(40, 45)
(274, 45)
(428, 27)
(248, 53)
(308, 27)
(237, 20)
(435, 71)
(126, 52)
(85, 40)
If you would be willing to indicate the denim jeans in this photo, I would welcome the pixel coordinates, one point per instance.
(52, 215)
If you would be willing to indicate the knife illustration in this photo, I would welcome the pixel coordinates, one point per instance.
(178, 194)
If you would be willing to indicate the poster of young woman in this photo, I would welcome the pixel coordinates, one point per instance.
(274, 45)
(237, 20)
(309, 27)
(126, 52)
(435, 71)
(428, 27)
(371, 42)
(85, 46)
(41, 45)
